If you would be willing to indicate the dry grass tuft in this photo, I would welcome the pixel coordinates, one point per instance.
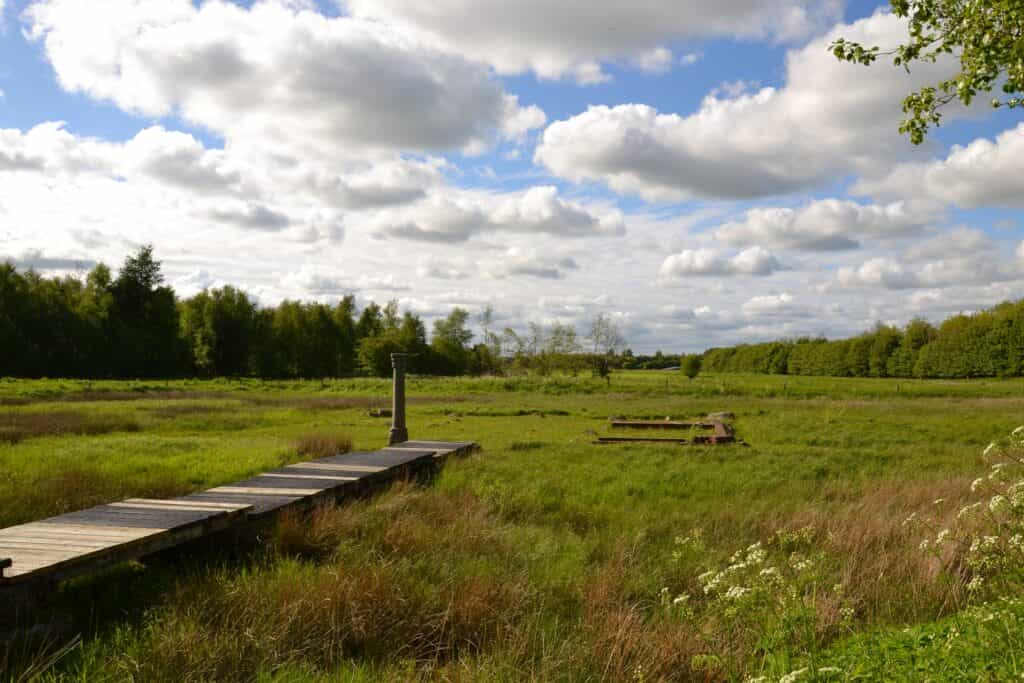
(323, 445)
(18, 426)
(877, 555)
(386, 587)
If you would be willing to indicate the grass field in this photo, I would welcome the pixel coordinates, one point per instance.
(543, 557)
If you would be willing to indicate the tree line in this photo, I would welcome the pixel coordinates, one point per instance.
(133, 326)
(989, 343)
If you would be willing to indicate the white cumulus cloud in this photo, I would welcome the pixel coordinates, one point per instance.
(982, 173)
(829, 119)
(825, 225)
(573, 37)
(708, 262)
(275, 75)
(452, 216)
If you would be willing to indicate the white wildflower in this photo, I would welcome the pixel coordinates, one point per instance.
(681, 599)
(792, 676)
(988, 449)
(756, 556)
(942, 536)
(997, 503)
(736, 593)
(910, 519)
(846, 613)
(968, 510)
(939, 501)
(975, 584)
(976, 484)
(1018, 431)
(925, 544)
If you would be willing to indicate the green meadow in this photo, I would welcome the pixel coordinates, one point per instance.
(543, 556)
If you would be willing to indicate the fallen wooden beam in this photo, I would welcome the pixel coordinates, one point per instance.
(638, 439)
(660, 424)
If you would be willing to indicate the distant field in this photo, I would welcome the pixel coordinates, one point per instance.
(543, 557)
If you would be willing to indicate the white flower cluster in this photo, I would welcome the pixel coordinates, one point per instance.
(989, 532)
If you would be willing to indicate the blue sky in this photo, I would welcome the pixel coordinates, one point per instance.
(703, 175)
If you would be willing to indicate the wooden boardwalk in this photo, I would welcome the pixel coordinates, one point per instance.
(82, 542)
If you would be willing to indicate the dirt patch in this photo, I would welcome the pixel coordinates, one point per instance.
(16, 427)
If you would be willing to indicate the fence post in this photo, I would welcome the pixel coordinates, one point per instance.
(398, 431)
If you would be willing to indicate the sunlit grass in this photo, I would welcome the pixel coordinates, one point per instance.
(543, 557)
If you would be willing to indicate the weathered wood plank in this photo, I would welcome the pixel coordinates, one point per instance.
(338, 467)
(660, 424)
(319, 477)
(266, 491)
(66, 542)
(63, 529)
(187, 503)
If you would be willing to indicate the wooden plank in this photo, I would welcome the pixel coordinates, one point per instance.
(324, 477)
(185, 503)
(128, 514)
(268, 491)
(637, 439)
(261, 504)
(43, 528)
(441, 449)
(79, 542)
(386, 457)
(659, 424)
(197, 507)
(5, 563)
(338, 467)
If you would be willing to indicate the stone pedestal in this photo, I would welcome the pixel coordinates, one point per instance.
(398, 431)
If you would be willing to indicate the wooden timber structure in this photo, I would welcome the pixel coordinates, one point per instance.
(721, 432)
(37, 555)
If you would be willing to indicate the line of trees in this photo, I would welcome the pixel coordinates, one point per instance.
(134, 326)
(985, 344)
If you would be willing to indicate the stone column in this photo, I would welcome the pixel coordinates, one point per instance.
(398, 431)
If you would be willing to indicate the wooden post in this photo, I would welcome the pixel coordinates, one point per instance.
(5, 563)
(398, 431)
